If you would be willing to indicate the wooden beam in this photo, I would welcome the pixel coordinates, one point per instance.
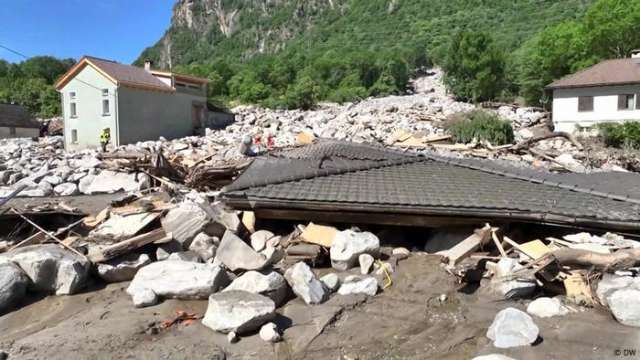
(466, 247)
(125, 246)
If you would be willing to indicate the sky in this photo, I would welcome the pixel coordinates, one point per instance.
(113, 29)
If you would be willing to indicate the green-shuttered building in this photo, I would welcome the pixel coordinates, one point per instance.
(136, 104)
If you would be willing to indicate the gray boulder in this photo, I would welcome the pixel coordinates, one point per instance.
(238, 311)
(512, 327)
(51, 268)
(123, 268)
(235, 254)
(177, 279)
(348, 245)
(205, 246)
(13, 285)
(625, 306)
(185, 222)
(305, 285)
(165, 250)
(354, 284)
(272, 285)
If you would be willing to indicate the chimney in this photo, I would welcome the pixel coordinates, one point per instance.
(147, 65)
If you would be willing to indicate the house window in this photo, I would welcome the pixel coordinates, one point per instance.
(12, 131)
(585, 103)
(72, 110)
(105, 92)
(72, 95)
(74, 136)
(626, 102)
(105, 107)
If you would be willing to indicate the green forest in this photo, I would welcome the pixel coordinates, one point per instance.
(30, 83)
(505, 50)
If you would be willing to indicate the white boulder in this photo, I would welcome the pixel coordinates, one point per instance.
(238, 311)
(348, 245)
(625, 306)
(273, 285)
(51, 268)
(354, 284)
(269, 333)
(66, 189)
(122, 269)
(304, 284)
(178, 279)
(13, 285)
(205, 246)
(547, 307)
(512, 327)
(331, 281)
(235, 254)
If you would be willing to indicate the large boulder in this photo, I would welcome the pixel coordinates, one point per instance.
(176, 279)
(185, 222)
(611, 283)
(512, 327)
(625, 306)
(305, 285)
(122, 268)
(348, 245)
(272, 285)
(354, 284)
(238, 311)
(235, 254)
(13, 285)
(51, 268)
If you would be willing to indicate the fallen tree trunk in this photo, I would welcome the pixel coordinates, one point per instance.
(621, 259)
(528, 143)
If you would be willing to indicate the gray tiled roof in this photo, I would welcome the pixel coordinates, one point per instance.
(350, 176)
(12, 115)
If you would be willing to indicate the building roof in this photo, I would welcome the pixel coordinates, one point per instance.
(122, 74)
(12, 115)
(339, 176)
(606, 73)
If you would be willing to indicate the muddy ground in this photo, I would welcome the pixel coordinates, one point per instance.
(407, 321)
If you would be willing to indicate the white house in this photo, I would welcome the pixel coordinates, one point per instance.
(606, 92)
(134, 103)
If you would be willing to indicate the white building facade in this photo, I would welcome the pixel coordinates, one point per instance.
(606, 92)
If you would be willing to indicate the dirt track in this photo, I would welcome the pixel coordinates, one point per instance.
(405, 322)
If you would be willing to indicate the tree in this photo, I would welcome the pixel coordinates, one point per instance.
(552, 54)
(303, 94)
(613, 27)
(474, 67)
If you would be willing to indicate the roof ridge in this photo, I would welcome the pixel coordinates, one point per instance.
(318, 173)
(545, 179)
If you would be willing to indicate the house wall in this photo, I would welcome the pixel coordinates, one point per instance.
(147, 115)
(5, 132)
(90, 121)
(605, 107)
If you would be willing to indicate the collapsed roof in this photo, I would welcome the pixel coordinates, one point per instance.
(341, 181)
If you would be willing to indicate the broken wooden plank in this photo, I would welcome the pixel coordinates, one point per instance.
(467, 246)
(319, 235)
(496, 241)
(534, 249)
(578, 290)
(122, 227)
(126, 246)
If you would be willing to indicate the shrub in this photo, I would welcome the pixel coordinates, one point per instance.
(480, 125)
(621, 135)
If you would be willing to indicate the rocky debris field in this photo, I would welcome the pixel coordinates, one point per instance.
(411, 122)
(254, 289)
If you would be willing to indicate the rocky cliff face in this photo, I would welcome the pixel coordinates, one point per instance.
(244, 26)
